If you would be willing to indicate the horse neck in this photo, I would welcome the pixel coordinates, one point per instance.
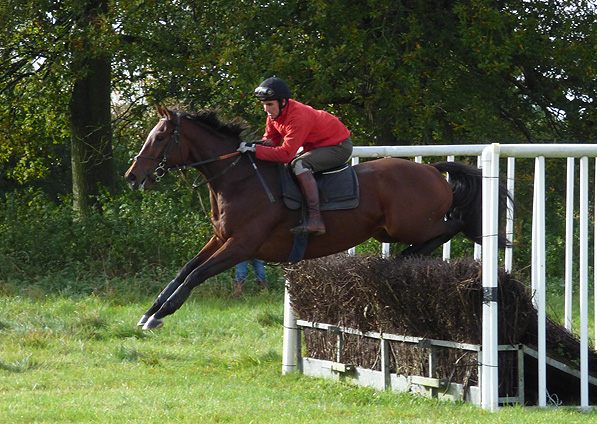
(203, 144)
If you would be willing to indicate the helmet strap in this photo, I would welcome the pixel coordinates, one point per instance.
(282, 103)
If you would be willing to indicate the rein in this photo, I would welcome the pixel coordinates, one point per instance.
(206, 161)
(213, 177)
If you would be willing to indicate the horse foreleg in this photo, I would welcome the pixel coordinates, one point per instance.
(170, 306)
(162, 297)
(208, 250)
(226, 257)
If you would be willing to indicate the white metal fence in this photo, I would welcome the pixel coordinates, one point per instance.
(489, 160)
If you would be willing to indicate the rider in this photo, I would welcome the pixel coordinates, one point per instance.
(291, 125)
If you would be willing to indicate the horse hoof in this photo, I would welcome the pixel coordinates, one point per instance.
(153, 323)
(143, 320)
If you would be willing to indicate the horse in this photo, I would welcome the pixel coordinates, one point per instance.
(400, 201)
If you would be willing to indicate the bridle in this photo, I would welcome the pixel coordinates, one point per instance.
(174, 140)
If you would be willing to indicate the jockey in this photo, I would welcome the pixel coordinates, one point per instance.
(290, 125)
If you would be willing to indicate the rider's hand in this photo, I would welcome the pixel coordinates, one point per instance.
(246, 147)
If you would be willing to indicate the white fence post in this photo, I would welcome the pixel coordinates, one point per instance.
(568, 263)
(355, 161)
(595, 258)
(489, 366)
(289, 346)
(584, 281)
(447, 248)
(385, 250)
(538, 273)
(511, 178)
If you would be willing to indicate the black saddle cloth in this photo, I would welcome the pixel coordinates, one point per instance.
(338, 188)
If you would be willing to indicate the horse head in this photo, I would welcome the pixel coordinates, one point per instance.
(161, 150)
(185, 140)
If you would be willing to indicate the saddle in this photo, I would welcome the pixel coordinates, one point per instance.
(338, 188)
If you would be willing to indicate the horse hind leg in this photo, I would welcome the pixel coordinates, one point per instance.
(452, 227)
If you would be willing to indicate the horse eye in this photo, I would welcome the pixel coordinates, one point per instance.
(160, 136)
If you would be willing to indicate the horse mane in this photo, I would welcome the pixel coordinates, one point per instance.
(210, 119)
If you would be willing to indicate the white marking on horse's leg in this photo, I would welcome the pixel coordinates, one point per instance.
(153, 323)
(143, 320)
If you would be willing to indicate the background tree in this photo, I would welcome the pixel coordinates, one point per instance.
(89, 107)
(58, 52)
(400, 72)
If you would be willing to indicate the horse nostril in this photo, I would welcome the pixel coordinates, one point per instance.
(130, 179)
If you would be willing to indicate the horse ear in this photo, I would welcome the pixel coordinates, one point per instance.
(164, 112)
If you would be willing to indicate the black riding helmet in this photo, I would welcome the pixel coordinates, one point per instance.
(273, 88)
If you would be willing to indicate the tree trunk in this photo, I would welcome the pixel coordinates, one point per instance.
(91, 143)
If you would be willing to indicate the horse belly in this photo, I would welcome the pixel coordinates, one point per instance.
(343, 231)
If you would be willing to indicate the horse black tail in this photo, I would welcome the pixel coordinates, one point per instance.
(467, 191)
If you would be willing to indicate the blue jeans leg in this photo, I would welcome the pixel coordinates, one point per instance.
(241, 270)
(258, 269)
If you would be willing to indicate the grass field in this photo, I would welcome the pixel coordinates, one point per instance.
(81, 359)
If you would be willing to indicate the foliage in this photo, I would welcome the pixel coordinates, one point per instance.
(404, 72)
(151, 234)
(41, 42)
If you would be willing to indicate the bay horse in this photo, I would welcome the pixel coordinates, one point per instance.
(400, 201)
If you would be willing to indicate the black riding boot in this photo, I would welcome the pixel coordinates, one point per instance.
(314, 224)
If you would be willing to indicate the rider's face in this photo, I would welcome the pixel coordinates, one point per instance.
(272, 108)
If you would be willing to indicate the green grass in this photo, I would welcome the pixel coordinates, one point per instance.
(80, 359)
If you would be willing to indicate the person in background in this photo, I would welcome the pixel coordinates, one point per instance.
(292, 125)
(241, 276)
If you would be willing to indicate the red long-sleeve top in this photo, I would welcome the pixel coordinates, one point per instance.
(300, 125)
